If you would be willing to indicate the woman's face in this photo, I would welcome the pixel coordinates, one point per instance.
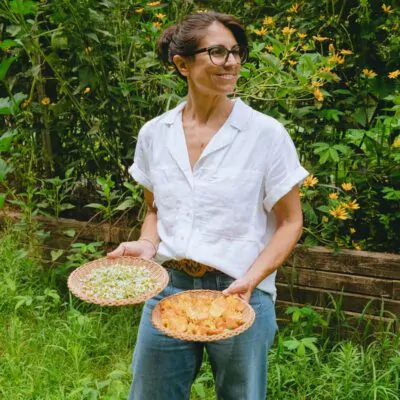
(206, 77)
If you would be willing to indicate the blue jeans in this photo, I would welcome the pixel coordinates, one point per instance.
(164, 368)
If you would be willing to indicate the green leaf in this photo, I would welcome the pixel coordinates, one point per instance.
(6, 140)
(4, 67)
(128, 203)
(324, 209)
(301, 350)
(2, 199)
(23, 7)
(4, 169)
(333, 154)
(95, 205)
(55, 254)
(70, 232)
(8, 44)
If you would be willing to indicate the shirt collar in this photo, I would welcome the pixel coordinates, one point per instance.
(238, 118)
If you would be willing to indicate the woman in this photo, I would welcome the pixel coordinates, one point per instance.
(221, 184)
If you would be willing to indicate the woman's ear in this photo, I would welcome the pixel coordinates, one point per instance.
(181, 64)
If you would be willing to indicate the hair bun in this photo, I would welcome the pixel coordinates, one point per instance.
(164, 43)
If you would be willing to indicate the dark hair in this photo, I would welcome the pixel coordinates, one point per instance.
(183, 38)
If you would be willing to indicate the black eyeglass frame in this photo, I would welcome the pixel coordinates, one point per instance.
(210, 48)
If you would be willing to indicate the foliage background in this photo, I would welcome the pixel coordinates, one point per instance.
(79, 78)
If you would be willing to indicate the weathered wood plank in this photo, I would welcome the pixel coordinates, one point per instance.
(349, 301)
(334, 281)
(380, 265)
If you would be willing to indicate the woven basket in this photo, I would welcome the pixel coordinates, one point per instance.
(158, 273)
(248, 314)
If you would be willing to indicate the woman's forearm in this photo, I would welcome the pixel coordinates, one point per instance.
(149, 227)
(275, 253)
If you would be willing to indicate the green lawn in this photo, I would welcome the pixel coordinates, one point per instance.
(54, 347)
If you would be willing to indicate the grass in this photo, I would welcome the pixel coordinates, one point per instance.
(52, 346)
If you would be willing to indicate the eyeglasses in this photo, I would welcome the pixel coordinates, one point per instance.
(219, 54)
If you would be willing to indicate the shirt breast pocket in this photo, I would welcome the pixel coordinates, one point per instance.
(228, 200)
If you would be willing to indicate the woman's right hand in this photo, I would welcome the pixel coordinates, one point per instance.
(139, 248)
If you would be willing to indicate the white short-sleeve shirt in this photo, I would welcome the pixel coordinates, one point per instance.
(219, 214)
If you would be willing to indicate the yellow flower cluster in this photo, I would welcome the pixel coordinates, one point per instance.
(318, 95)
(287, 30)
(160, 16)
(387, 9)
(347, 186)
(333, 196)
(310, 181)
(295, 8)
(320, 38)
(336, 59)
(45, 101)
(339, 212)
(369, 73)
(260, 32)
(268, 21)
(394, 74)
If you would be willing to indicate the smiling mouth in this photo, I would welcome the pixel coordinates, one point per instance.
(227, 76)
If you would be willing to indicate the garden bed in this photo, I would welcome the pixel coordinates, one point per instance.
(360, 282)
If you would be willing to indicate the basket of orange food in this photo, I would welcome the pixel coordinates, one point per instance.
(202, 315)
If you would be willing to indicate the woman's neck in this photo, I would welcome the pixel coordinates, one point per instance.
(203, 109)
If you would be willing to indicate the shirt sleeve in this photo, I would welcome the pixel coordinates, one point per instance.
(140, 170)
(283, 171)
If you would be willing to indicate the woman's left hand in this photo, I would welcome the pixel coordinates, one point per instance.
(242, 286)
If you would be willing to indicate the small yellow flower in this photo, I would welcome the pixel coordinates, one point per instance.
(160, 16)
(260, 32)
(318, 95)
(320, 38)
(139, 10)
(347, 186)
(333, 196)
(202, 10)
(269, 48)
(25, 103)
(339, 213)
(292, 62)
(396, 142)
(369, 73)
(352, 205)
(45, 101)
(289, 18)
(269, 21)
(301, 35)
(326, 69)
(88, 50)
(287, 30)
(387, 9)
(306, 47)
(345, 52)
(310, 181)
(356, 245)
(87, 90)
(157, 25)
(336, 59)
(331, 47)
(154, 3)
(352, 231)
(325, 219)
(394, 74)
(316, 84)
(295, 8)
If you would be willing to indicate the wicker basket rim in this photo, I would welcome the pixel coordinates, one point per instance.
(249, 313)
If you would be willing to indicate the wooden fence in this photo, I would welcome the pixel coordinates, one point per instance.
(361, 281)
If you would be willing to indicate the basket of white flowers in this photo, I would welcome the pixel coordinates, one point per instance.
(118, 281)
